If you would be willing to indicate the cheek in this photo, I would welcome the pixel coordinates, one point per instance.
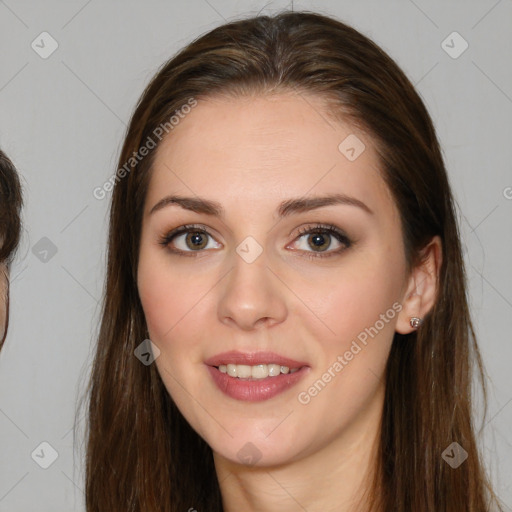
(170, 300)
(361, 309)
(356, 294)
(349, 373)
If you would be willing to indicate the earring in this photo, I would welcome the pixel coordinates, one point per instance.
(416, 322)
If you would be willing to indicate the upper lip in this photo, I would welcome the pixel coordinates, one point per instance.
(252, 359)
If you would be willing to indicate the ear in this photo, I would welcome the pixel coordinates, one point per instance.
(422, 287)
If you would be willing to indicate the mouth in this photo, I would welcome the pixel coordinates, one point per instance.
(254, 376)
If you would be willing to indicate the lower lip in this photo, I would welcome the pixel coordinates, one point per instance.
(255, 390)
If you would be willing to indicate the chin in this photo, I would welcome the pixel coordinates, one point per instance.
(251, 447)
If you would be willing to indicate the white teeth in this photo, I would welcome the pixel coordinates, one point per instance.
(243, 371)
(259, 371)
(274, 369)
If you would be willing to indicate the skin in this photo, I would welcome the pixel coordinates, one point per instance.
(249, 155)
(3, 298)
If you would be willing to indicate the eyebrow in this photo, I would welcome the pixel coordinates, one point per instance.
(286, 208)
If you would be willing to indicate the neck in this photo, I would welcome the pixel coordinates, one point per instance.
(334, 478)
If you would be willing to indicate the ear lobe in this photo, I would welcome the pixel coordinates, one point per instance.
(422, 287)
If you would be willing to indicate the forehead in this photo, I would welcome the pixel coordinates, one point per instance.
(264, 148)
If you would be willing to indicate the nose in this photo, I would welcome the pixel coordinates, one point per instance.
(252, 295)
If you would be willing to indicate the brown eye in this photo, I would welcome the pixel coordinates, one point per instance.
(196, 240)
(186, 240)
(320, 238)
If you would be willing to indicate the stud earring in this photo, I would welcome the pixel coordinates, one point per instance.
(416, 322)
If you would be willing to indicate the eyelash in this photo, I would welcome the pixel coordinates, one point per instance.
(321, 229)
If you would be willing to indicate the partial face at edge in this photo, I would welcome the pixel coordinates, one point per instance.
(4, 283)
(249, 155)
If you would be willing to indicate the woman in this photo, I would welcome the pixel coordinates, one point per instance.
(10, 228)
(282, 229)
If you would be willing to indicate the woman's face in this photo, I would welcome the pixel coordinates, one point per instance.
(258, 286)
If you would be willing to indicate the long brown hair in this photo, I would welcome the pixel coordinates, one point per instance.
(141, 454)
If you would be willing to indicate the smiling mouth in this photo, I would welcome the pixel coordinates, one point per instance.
(255, 372)
(255, 376)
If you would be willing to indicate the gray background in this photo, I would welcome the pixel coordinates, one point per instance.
(62, 122)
